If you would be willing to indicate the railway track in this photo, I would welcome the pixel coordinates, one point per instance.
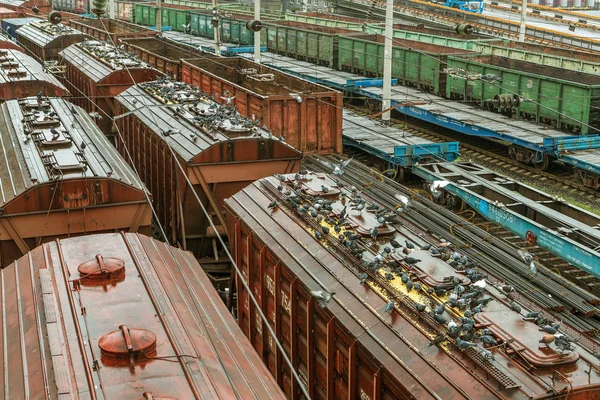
(493, 152)
(493, 252)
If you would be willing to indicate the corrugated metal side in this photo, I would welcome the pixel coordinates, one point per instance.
(49, 343)
(164, 55)
(313, 125)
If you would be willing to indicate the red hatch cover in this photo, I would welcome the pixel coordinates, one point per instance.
(507, 325)
(128, 344)
(102, 269)
(320, 185)
(432, 271)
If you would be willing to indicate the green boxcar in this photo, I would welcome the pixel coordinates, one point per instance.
(191, 3)
(562, 98)
(231, 29)
(413, 63)
(145, 15)
(433, 36)
(176, 19)
(314, 43)
(200, 25)
(551, 60)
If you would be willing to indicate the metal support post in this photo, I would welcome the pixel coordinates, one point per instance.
(159, 16)
(387, 61)
(216, 29)
(522, 25)
(257, 34)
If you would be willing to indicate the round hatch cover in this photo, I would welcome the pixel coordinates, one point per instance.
(102, 269)
(128, 344)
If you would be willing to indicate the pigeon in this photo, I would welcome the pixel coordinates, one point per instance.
(507, 288)
(437, 340)
(83, 146)
(463, 344)
(525, 256)
(374, 233)
(547, 339)
(436, 186)
(551, 329)
(420, 307)
(403, 199)
(363, 278)
(409, 245)
(411, 261)
(532, 314)
(409, 285)
(35, 10)
(439, 318)
(322, 297)
(338, 169)
(55, 133)
(487, 355)
(452, 325)
(485, 339)
(395, 244)
(491, 78)
(318, 235)
(389, 307)
(324, 189)
(271, 206)
(440, 309)
(515, 307)
(418, 286)
(480, 284)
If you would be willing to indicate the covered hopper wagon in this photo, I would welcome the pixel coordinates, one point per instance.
(60, 177)
(23, 76)
(362, 322)
(121, 316)
(110, 30)
(307, 115)
(43, 40)
(98, 71)
(168, 124)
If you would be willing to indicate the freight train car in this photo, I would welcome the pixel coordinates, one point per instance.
(356, 331)
(314, 43)
(413, 63)
(97, 72)
(307, 115)
(110, 30)
(43, 39)
(60, 177)
(23, 76)
(121, 316)
(164, 55)
(174, 16)
(232, 27)
(168, 124)
(565, 99)
(10, 25)
(7, 43)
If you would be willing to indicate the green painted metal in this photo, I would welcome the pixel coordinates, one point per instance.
(566, 99)
(448, 39)
(413, 63)
(334, 23)
(315, 43)
(145, 15)
(200, 25)
(551, 60)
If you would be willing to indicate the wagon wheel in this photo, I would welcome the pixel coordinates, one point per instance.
(542, 165)
(373, 105)
(512, 152)
(399, 174)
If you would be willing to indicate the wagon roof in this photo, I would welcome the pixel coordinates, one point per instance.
(200, 352)
(28, 70)
(174, 121)
(45, 34)
(30, 154)
(98, 59)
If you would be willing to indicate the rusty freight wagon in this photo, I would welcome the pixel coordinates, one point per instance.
(164, 55)
(307, 115)
(6, 43)
(110, 30)
(43, 40)
(22, 76)
(60, 177)
(362, 316)
(121, 316)
(167, 124)
(97, 72)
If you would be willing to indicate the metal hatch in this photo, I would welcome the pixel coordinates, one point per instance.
(102, 270)
(127, 345)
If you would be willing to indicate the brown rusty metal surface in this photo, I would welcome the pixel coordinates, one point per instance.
(22, 76)
(170, 332)
(308, 115)
(110, 30)
(6, 43)
(432, 271)
(351, 348)
(221, 152)
(164, 55)
(43, 40)
(59, 175)
(102, 269)
(524, 336)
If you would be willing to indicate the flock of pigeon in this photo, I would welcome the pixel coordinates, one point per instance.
(394, 260)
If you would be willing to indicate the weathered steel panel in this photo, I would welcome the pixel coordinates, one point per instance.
(43, 40)
(197, 352)
(110, 30)
(80, 187)
(350, 347)
(307, 115)
(217, 161)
